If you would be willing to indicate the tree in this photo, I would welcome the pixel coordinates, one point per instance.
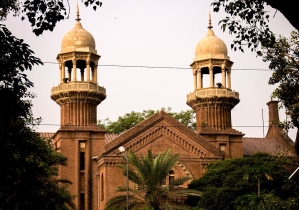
(283, 59)
(233, 183)
(149, 174)
(248, 20)
(29, 168)
(43, 15)
(131, 119)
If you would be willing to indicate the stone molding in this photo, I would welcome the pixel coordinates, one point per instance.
(62, 57)
(212, 61)
(211, 92)
(78, 91)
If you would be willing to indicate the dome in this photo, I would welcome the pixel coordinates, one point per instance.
(78, 39)
(211, 47)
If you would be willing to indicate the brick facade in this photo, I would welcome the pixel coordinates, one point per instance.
(93, 156)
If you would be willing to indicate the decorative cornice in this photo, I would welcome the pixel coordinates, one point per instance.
(62, 57)
(78, 91)
(212, 61)
(212, 97)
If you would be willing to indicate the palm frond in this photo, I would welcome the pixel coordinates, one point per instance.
(179, 181)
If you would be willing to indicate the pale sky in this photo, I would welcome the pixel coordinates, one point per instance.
(151, 33)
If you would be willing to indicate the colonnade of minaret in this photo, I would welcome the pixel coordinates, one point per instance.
(212, 104)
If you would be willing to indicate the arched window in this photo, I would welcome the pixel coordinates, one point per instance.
(171, 176)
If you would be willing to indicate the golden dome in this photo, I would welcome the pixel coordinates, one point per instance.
(210, 46)
(78, 39)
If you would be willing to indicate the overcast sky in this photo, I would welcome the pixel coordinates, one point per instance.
(150, 33)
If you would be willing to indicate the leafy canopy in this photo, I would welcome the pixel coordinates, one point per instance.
(233, 183)
(27, 178)
(248, 21)
(283, 59)
(131, 119)
(43, 15)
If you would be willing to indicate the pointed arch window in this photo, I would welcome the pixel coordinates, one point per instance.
(170, 177)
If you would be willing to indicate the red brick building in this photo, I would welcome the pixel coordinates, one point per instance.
(93, 155)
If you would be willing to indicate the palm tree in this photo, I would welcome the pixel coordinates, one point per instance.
(148, 174)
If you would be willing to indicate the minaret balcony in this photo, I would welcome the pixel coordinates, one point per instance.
(212, 92)
(77, 86)
(78, 90)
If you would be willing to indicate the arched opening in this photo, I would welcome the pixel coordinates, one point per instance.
(205, 77)
(217, 77)
(170, 177)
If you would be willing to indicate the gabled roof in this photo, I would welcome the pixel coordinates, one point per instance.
(110, 137)
(161, 123)
(273, 146)
(46, 134)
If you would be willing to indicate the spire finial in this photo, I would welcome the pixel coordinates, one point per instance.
(78, 15)
(210, 22)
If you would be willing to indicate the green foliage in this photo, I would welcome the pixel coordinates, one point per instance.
(130, 120)
(7, 6)
(248, 21)
(232, 183)
(27, 178)
(264, 202)
(149, 174)
(43, 15)
(283, 59)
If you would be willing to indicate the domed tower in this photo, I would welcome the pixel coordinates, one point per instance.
(78, 95)
(213, 104)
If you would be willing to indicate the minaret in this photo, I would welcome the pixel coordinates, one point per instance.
(213, 103)
(78, 95)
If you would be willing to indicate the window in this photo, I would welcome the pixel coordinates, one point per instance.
(82, 161)
(171, 177)
(82, 201)
(102, 187)
(222, 147)
(82, 145)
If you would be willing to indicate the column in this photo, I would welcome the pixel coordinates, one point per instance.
(63, 71)
(82, 74)
(88, 70)
(194, 80)
(223, 77)
(60, 68)
(228, 79)
(74, 70)
(199, 79)
(95, 73)
(211, 76)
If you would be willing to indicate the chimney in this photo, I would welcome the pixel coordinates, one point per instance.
(273, 129)
(273, 112)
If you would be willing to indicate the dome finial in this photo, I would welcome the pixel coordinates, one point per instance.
(210, 22)
(78, 15)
